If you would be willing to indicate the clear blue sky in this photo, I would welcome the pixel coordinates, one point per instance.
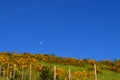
(69, 28)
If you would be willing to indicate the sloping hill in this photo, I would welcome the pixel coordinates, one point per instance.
(44, 63)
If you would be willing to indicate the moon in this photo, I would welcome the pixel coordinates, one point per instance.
(41, 42)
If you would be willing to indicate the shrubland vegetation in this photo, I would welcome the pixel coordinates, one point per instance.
(43, 64)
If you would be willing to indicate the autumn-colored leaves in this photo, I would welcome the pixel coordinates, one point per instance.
(24, 61)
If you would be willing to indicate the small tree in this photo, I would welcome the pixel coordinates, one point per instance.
(46, 74)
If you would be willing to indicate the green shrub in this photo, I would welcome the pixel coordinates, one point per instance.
(46, 74)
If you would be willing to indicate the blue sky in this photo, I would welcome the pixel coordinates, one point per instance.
(68, 28)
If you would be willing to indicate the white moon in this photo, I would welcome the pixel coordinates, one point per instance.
(41, 42)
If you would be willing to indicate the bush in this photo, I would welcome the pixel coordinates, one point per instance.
(46, 74)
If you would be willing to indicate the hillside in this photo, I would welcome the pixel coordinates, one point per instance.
(43, 64)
